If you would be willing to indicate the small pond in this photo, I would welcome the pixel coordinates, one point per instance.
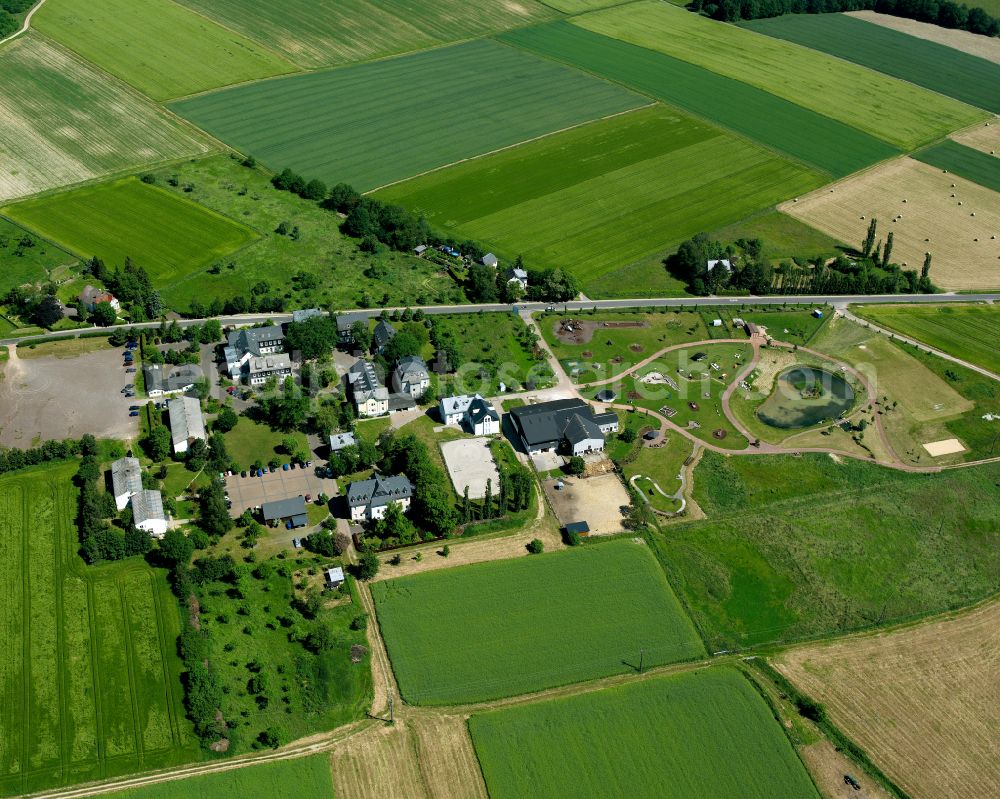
(804, 396)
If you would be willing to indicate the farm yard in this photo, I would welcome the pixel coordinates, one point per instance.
(818, 140)
(63, 121)
(703, 735)
(90, 680)
(498, 629)
(897, 112)
(597, 500)
(607, 194)
(958, 231)
(964, 161)
(317, 33)
(168, 236)
(346, 125)
(934, 66)
(158, 46)
(974, 44)
(919, 700)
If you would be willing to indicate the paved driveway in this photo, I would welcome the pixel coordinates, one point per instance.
(249, 492)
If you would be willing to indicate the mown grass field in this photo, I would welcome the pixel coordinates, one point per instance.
(251, 441)
(970, 164)
(158, 46)
(316, 33)
(904, 115)
(968, 332)
(818, 140)
(918, 699)
(90, 682)
(447, 104)
(934, 66)
(808, 546)
(310, 776)
(593, 199)
(511, 627)
(20, 264)
(702, 735)
(168, 236)
(784, 236)
(63, 121)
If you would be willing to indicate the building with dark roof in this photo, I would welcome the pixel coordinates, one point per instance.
(346, 321)
(291, 511)
(475, 414)
(569, 426)
(411, 377)
(368, 499)
(162, 381)
(370, 397)
(382, 335)
(251, 342)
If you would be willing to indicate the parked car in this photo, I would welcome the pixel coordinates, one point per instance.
(284, 467)
(243, 474)
(130, 370)
(260, 472)
(131, 345)
(231, 390)
(133, 413)
(265, 470)
(134, 408)
(308, 463)
(309, 497)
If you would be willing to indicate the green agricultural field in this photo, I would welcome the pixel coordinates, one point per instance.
(813, 138)
(168, 236)
(969, 332)
(807, 546)
(897, 112)
(320, 268)
(24, 258)
(161, 48)
(310, 776)
(784, 236)
(316, 33)
(65, 122)
(580, 6)
(90, 682)
(511, 627)
(974, 165)
(608, 194)
(703, 735)
(444, 105)
(934, 66)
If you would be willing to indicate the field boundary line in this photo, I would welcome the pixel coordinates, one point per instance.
(26, 636)
(175, 730)
(26, 25)
(520, 143)
(65, 754)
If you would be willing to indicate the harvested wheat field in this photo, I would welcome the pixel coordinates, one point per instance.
(987, 47)
(923, 701)
(957, 221)
(985, 137)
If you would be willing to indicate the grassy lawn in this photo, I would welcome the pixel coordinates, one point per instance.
(168, 236)
(33, 264)
(481, 632)
(250, 441)
(371, 429)
(112, 129)
(160, 47)
(309, 775)
(660, 465)
(344, 277)
(62, 348)
(808, 546)
(828, 145)
(91, 679)
(348, 112)
(889, 109)
(703, 735)
(784, 236)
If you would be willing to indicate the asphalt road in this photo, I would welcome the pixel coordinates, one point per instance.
(565, 307)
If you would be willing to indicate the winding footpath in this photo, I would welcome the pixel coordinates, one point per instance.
(26, 24)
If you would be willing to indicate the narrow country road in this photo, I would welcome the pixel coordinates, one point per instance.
(26, 24)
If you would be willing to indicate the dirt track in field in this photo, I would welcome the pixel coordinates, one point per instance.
(982, 46)
(924, 701)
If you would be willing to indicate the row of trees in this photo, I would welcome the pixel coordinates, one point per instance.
(132, 287)
(945, 13)
(13, 459)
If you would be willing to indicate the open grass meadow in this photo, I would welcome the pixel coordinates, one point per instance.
(317, 33)
(799, 547)
(250, 442)
(158, 46)
(703, 735)
(350, 125)
(784, 236)
(310, 776)
(974, 165)
(813, 138)
(604, 195)
(319, 268)
(934, 66)
(511, 627)
(24, 258)
(90, 681)
(63, 121)
(897, 112)
(968, 332)
(168, 236)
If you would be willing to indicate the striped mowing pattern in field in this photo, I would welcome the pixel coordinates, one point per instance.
(372, 124)
(607, 194)
(703, 735)
(904, 115)
(63, 121)
(775, 122)
(974, 165)
(934, 66)
(316, 33)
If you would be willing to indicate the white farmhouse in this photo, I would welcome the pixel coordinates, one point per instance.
(147, 513)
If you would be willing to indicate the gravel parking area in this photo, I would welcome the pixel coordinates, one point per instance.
(248, 492)
(594, 500)
(46, 397)
(470, 463)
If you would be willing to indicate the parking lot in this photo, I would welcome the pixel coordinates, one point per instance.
(248, 492)
(594, 500)
(470, 463)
